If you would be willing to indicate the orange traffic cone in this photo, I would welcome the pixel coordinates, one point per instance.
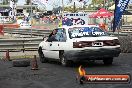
(7, 58)
(1, 30)
(34, 64)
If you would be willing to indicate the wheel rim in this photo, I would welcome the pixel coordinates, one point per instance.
(63, 61)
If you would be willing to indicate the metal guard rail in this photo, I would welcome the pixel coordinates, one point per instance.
(28, 44)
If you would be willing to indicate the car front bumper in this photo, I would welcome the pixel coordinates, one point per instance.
(92, 54)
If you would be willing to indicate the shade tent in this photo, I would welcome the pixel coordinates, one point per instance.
(103, 18)
(102, 13)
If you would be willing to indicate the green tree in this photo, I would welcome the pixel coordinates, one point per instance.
(97, 1)
(28, 2)
(7, 2)
(15, 1)
(69, 9)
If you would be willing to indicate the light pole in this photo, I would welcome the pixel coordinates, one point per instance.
(62, 6)
(2, 7)
(31, 16)
(104, 3)
(74, 7)
(61, 23)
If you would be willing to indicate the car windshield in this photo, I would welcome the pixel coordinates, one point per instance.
(78, 32)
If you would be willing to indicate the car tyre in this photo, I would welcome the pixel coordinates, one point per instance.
(64, 61)
(108, 61)
(21, 63)
(41, 56)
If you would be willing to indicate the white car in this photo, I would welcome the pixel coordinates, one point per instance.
(25, 24)
(71, 43)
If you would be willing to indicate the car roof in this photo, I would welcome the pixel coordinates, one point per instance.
(67, 27)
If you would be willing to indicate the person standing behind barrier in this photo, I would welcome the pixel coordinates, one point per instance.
(27, 19)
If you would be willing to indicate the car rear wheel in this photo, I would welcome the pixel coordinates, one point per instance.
(41, 56)
(64, 61)
(108, 61)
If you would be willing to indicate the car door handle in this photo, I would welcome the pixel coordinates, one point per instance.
(58, 44)
(50, 44)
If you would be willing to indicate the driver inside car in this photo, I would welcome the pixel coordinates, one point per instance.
(52, 36)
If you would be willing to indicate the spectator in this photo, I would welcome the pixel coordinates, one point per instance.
(27, 19)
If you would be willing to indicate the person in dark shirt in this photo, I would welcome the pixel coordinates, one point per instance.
(52, 36)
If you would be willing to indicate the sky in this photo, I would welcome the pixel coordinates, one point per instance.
(51, 3)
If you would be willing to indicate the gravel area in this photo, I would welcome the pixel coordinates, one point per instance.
(126, 43)
(53, 75)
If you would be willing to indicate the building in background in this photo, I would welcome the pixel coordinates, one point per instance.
(25, 9)
(13, 9)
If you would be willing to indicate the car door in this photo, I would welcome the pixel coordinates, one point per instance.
(62, 38)
(52, 48)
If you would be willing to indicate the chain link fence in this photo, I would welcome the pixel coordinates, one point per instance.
(126, 43)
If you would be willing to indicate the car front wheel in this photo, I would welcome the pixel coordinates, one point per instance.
(41, 56)
(64, 61)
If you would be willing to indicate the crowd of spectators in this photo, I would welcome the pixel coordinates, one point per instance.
(50, 19)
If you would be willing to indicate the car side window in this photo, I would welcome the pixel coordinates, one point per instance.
(61, 35)
(57, 35)
(52, 36)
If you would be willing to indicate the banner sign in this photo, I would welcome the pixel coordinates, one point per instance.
(85, 32)
(120, 6)
(75, 19)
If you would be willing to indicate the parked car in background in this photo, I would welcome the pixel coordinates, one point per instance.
(77, 43)
(5, 19)
(25, 24)
(20, 15)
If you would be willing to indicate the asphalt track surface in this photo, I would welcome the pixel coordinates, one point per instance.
(53, 75)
